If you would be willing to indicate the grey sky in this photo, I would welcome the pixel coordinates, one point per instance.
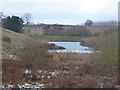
(63, 11)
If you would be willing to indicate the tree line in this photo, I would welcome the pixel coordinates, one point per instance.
(15, 23)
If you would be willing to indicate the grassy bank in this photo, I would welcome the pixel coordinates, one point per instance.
(18, 45)
(62, 38)
(109, 48)
(107, 43)
(20, 52)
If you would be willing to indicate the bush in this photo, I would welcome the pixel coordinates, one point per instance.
(33, 50)
(6, 39)
(13, 23)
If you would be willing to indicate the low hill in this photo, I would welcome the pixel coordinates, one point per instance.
(13, 43)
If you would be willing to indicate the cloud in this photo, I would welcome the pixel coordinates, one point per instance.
(63, 10)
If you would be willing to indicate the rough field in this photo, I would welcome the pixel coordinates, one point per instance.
(21, 53)
(70, 71)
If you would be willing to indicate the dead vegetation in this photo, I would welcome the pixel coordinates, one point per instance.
(57, 70)
(62, 73)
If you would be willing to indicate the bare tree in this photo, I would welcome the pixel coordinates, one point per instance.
(27, 17)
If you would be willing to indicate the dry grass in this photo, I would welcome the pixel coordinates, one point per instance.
(18, 42)
(22, 52)
(82, 73)
(84, 70)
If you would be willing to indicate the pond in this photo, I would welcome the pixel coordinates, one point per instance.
(71, 47)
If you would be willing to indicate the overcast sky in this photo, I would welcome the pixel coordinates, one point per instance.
(63, 11)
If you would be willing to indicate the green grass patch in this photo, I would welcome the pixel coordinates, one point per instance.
(62, 38)
(109, 57)
(107, 43)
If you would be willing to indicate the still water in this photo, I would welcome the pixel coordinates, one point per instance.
(71, 47)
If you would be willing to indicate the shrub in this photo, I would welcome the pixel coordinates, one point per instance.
(33, 50)
(6, 39)
(13, 23)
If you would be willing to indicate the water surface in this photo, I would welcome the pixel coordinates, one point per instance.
(71, 47)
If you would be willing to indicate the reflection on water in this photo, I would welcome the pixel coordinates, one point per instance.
(71, 47)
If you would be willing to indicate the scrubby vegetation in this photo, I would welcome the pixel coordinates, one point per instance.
(21, 45)
(23, 52)
(61, 70)
(64, 30)
(107, 44)
(78, 31)
(109, 55)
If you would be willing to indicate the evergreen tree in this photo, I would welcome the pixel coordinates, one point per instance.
(13, 23)
(88, 23)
